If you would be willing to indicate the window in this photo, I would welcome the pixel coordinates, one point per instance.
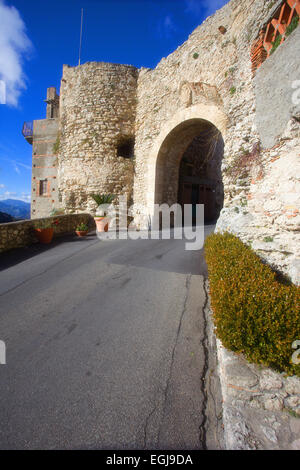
(43, 188)
(125, 148)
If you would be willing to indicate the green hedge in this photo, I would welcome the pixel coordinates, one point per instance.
(254, 313)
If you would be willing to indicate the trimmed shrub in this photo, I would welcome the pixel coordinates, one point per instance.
(255, 313)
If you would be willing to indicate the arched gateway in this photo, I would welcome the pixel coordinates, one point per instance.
(184, 165)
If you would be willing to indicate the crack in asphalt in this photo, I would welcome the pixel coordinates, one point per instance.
(147, 422)
(203, 385)
(166, 390)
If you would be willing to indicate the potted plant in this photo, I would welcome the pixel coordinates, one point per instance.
(82, 230)
(101, 219)
(44, 230)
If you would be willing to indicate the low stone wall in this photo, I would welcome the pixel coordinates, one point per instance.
(19, 234)
(261, 407)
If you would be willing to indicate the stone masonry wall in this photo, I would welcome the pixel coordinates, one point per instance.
(263, 206)
(209, 77)
(275, 84)
(97, 110)
(20, 234)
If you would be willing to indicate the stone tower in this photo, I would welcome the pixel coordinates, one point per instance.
(97, 122)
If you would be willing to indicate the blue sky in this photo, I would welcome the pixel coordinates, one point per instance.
(38, 37)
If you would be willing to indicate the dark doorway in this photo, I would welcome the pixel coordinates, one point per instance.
(199, 179)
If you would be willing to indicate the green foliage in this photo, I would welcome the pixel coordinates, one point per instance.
(244, 151)
(42, 224)
(82, 227)
(55, 212)
(85, 141)
(276, 43)
(103, 198)
(271, 4)
(232, 90)
(268, 239)
(56, 145)
(103, 201)
(255, 313)
(231, 70)
(291, 412)
(292, 26)
(195, 55)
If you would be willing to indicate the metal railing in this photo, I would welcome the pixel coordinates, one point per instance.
(27, 130)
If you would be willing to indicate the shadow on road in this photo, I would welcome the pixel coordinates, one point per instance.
(18, 255)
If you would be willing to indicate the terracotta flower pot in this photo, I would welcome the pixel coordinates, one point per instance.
(44, 235)
(101, 224)
(81, 233)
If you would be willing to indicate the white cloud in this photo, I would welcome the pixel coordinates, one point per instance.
(203, 7)
(169, 25)
(8, 195)
(17, 169)
(14, 45)
(166, 27)
(24, 166)
(2, 186)
(16, 164)
(26, 197)
(194, 6)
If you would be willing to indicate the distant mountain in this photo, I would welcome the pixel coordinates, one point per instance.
(5, 218)
(15, 208)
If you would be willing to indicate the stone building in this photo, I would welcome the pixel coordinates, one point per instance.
(42, 135)
(216, 122)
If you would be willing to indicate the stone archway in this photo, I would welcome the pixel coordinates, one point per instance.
(173, 141)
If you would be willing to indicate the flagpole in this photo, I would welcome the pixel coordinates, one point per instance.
(80, 43)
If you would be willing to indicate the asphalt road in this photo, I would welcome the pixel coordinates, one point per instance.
(106, 347)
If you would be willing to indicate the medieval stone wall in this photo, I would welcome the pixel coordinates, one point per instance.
(97, 112)
(209, 77)
(21, 233)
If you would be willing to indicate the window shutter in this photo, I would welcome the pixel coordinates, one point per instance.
(48, 188)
